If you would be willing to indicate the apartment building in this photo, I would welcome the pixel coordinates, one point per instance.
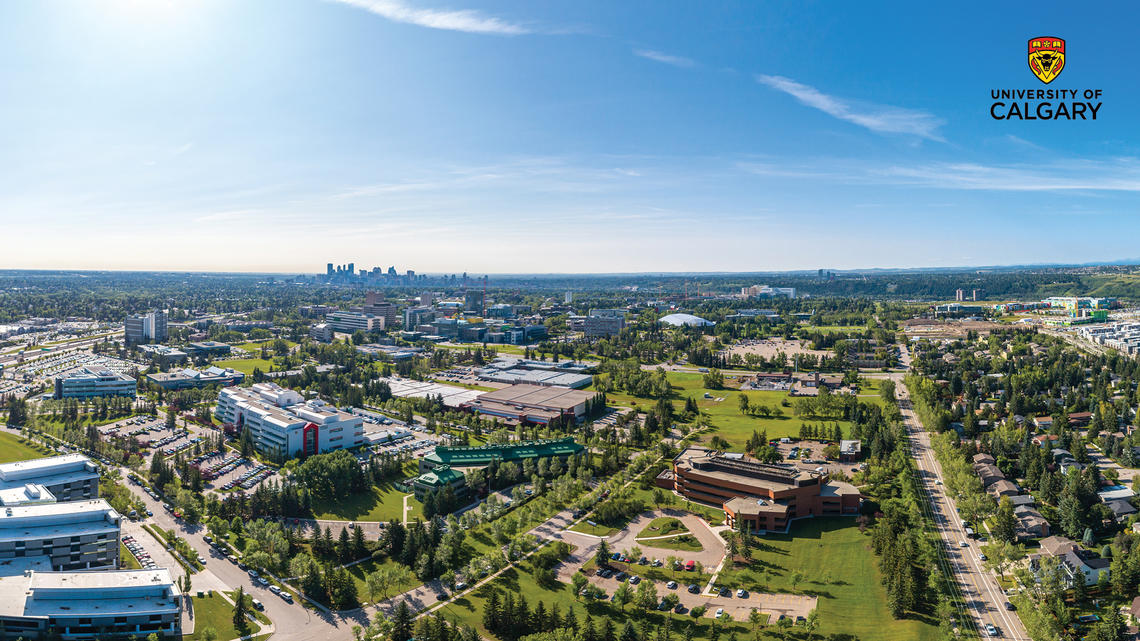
(78, 535)
(766, 497)
(71, 477)
(92, 382)
(281, 423)
(37, 603)
(145, 328)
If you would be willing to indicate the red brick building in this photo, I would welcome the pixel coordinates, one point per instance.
(765, 496)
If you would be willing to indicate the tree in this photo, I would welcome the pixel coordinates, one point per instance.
(796, 578)
(623, 595)
(579, 581)
(1000, 554)
(602, 556)
(812, 623)
(646, 598)
(402, 623)
(1005, 522)
(374, 584)
(756, 618)
(239, 609)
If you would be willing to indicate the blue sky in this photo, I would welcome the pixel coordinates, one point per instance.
(525, 136)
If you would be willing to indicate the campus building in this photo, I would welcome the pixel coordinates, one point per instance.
(145, 328)
(765, 497)
(71, 477)
(164, 355)
(37, 603)
(604, 322)
(484, 455)
(322, 333)
(537, 404)
(206, 349)
(281, 423)
(188, 378)
(520, 371)
(416, 316)
(349, 322)
(92, 382)
(375, 305)
(436, 480)
(78, 535)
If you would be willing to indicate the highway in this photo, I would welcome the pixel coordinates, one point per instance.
(983, 598)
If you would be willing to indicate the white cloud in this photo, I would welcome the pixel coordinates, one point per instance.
(665, 58)
(466, 20)
(878, 118)
(1115, 175)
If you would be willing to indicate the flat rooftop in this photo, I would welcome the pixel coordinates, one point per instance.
(57, 520)
(28, 588)
(539, 396)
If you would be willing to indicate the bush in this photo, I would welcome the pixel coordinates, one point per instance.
(697, 612)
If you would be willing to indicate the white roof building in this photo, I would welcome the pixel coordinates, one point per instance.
(678, 320)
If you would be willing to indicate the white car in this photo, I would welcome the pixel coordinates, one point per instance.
(719, 611)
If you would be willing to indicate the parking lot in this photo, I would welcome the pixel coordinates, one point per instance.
(53, 366)
(13, 388)
(808, 455)
(138, 550)
(419, 446)
(139, 427)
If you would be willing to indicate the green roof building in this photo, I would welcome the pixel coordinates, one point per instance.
(481, 456)
(437, 479)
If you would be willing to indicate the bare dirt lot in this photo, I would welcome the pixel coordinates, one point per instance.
(946, 329)
(769, 347)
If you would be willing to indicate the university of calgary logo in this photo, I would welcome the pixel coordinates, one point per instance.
(1046, 58)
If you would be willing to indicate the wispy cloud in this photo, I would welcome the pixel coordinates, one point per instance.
(665, 58)
(1114, 175)
(877, 118)
(466, 20)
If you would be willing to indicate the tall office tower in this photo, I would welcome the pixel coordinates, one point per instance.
(145, 328)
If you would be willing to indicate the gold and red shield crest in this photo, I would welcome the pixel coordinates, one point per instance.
(1046, 58)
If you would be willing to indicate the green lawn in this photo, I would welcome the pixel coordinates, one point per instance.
(596, 530)
(840, 569)
(681, 543)
(725, 416)
(518, 581)
(254, 347)
(384, 503)
(663, 526)
(13, 448)
(212, 611)
(359, 571)
(247, 365)
(127, 561)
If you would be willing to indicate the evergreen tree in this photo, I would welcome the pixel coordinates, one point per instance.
(401, 623)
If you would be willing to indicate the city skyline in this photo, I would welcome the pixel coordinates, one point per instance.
(509, 137)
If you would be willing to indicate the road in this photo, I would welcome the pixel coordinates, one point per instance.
(983, 597)
(292, 622)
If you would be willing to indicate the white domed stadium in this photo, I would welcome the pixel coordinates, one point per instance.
(677, 320)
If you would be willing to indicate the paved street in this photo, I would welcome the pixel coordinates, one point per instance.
(984, 598)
